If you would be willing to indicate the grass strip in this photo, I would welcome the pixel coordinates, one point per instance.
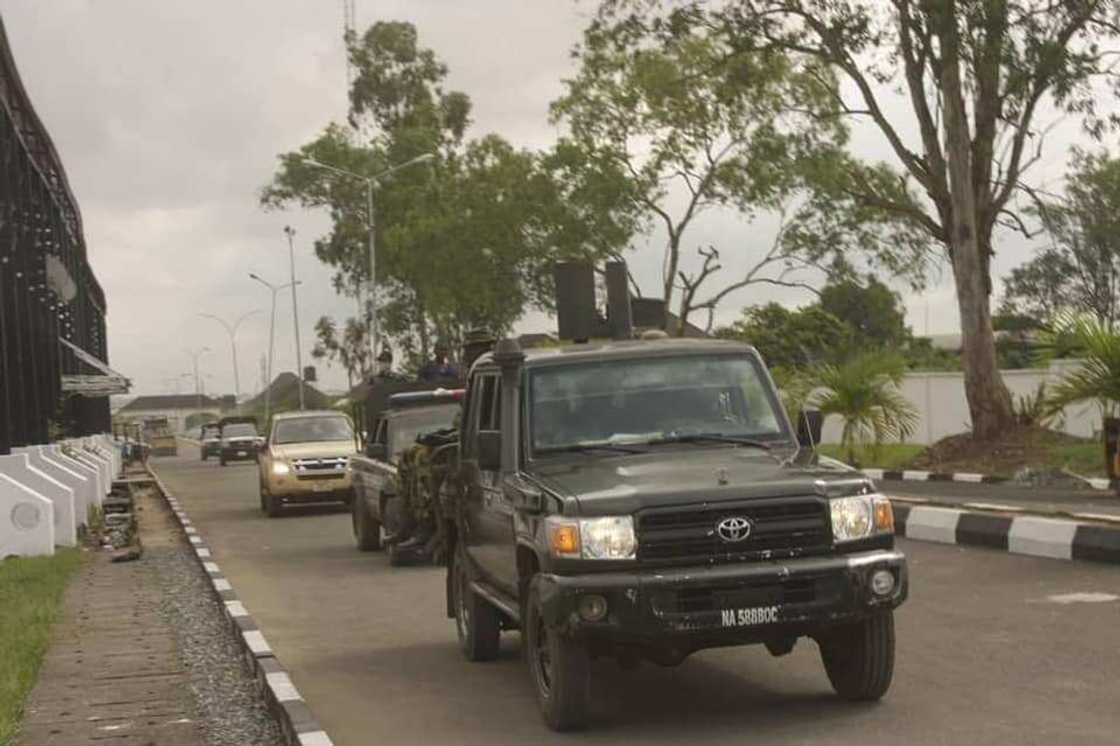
(30, 600)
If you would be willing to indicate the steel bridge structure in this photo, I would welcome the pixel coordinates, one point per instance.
(52, 309)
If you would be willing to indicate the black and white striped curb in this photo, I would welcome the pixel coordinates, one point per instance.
(991, 526)
(299, 726)
(916, 475)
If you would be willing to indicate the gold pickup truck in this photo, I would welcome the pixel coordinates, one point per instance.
(306, 459)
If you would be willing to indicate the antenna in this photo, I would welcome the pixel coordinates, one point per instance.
(348, 28)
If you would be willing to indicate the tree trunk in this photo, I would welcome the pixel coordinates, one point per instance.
(989, 402)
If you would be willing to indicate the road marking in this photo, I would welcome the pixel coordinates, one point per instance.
(933, 524)
(1083, 598)
(916, 476)
(963, 476)
(221, 584)
(315, 738)
(236, 608)
(1041, 537)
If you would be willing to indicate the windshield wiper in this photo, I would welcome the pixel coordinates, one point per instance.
(714, 438)
(585, 447)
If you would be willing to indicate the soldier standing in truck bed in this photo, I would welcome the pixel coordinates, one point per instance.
(439, 367)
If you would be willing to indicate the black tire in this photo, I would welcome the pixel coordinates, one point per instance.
(859, 658)
(272, 506)
(560, 669)
(222, 460)
(204, 455)
(367, 531)
(476, 621)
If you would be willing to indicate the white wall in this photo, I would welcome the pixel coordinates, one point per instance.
(943, 409)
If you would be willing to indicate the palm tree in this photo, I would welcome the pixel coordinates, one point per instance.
(863, 392)
(1098, 378)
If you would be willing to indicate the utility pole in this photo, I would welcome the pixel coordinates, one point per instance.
(195, 354)
(289, 231)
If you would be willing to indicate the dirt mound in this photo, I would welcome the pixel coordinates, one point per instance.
(1019, 447)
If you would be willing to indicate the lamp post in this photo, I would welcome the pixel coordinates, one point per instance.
(271, 340)
(289, 231)
(231, 330)
(371, 182)
(195, 354)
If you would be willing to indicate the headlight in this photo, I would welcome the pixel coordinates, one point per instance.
(861, 516)
(280, 468)
(607, 538)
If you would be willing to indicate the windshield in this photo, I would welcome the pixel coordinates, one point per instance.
(210, 432)
(404, 428)
(312, 429)
(238, 430)
(651, 399)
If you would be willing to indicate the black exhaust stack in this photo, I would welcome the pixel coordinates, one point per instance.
(575, 300)
(619, 316)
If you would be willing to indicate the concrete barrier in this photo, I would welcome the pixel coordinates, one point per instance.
(18, 467)
(104, 470)
(84, 486)
(75, 453)
(26, 521)
(87, 470)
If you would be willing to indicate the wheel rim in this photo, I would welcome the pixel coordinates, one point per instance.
(542, 658)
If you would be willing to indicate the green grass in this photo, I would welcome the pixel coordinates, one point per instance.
(888, 456)
(30, 594)
(1086, 459)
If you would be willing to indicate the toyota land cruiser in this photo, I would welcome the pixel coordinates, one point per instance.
(648, 499)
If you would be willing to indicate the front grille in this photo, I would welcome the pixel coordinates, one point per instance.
(780, 528)
(320, 468)
(714, 598)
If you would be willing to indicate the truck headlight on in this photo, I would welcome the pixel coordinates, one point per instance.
(606, 538)
(280, 468)
(860, 516)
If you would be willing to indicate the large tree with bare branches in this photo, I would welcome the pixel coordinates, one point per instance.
(695, 126)
(975, 76)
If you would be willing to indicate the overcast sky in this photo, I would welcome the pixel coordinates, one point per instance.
(169, 115)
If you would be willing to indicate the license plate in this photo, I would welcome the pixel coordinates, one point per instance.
(321, 488)
(242, 453)
(750, 617)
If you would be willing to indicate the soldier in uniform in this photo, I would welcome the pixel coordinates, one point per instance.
(384, 370)
(440, 366)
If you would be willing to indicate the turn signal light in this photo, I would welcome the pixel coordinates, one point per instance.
(564, 539)
(884, 515)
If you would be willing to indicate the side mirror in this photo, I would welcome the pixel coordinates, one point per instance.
(489, 450)
(809, 424)
(377, 451)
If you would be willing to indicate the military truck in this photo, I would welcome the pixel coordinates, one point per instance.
(393, 468)
(160, 438)
(648, 499)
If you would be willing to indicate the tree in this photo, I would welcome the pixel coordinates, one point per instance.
(1098, 377)
(975, 74)
(872, 311)
(350, 348)
(791, 340)
(696, 128)
(864, 393)
(1080, 270)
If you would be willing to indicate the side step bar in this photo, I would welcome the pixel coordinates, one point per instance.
(496, 600)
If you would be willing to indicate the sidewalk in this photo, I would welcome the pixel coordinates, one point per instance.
(112, 670)
(1086, 505)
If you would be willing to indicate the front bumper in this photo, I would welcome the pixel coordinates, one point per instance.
(725, 604)
(211, 447)
(239, 452)
(322, 488)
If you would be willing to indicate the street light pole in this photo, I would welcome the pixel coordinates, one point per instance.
(195, 354)
(231, 329)
(274, 289)
(371, 182)
(289, 231)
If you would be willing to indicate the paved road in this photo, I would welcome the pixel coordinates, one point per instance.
(983, 657)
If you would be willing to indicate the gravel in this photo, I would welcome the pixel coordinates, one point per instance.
(230, 706)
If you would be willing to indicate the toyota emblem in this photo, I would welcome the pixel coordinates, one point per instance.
(733, 529)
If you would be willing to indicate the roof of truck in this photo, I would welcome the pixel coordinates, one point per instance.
(624, 349)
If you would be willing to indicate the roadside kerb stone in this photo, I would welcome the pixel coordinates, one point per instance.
(296, 721)
(906, 475)
(1017, 533)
